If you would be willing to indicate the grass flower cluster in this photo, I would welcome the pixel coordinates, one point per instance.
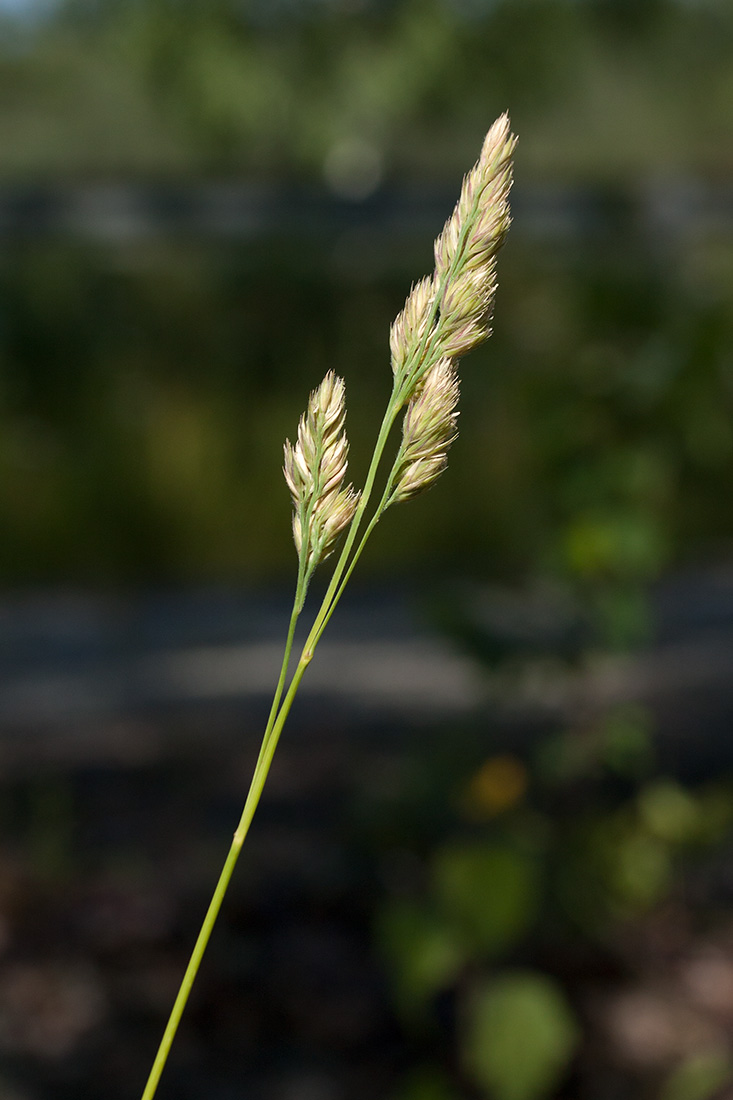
(315, 469)
(444, 317)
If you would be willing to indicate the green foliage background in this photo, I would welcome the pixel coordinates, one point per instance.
(145, 386)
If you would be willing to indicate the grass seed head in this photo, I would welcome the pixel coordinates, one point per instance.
(411, 326)
(449, 313)
(465, 251)
(480, 220)
(428, 429)
(315, 468)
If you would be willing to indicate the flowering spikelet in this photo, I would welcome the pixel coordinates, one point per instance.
(411, 326)
(315, 469)
(466, 249)
(428, 429)
(481, 215)
(448, 314)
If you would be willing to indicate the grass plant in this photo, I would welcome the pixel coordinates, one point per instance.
(444, 317)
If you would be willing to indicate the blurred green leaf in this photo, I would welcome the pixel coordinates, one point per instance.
(488, 892)
(520, 1036)
(669, 811)
(699, 1077)
(623, 544)
(641, 868)
(421, 952)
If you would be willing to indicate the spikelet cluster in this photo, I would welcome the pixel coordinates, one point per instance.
(428, 429)
(315, 468)
(465, 251)
(444, 317)
(448, 314)
(411, 327)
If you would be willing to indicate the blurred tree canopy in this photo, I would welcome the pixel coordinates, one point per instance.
(597, 88)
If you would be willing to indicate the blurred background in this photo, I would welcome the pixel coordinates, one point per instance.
(495, 858)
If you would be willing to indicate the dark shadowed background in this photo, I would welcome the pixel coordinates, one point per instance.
(494, 858)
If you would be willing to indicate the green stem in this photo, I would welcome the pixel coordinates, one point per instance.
(269, 744)
(262, 767)
(323, 623)
(327, 604)
(300, 589)
(192, 969)
(325, 613)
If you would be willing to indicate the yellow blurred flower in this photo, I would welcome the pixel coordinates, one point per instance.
(499, 784)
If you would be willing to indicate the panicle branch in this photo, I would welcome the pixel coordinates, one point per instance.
(448, 314)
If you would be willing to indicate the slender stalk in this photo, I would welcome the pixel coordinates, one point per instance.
(192, 969)
(294, 616)
(254, 794)
(323, 619)
(262, 768)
